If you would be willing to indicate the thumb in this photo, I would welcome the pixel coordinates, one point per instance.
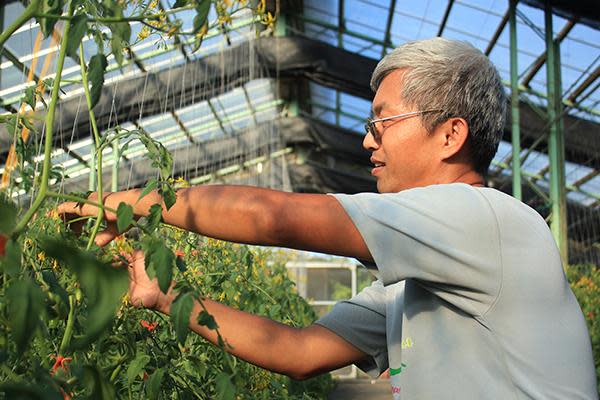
(105, 237)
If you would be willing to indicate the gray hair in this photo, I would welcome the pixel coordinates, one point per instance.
(454, 77)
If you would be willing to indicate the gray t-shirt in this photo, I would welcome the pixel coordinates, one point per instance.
(471, 302)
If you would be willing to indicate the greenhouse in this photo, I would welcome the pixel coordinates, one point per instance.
(197, 201)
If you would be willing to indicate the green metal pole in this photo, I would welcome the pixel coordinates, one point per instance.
(514, 104)
(281, 31)
(340, 37)
(556, 149)
(280, 26)
(115, 167)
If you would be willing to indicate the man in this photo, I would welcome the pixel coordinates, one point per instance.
(471, 300)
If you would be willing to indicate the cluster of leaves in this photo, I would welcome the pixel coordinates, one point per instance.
(67, 331)
(585, 283)
(108, 22)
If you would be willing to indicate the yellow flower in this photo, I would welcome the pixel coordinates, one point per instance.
(144, 33)
(41, 256)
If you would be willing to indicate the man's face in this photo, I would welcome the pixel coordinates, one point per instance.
(405, 157)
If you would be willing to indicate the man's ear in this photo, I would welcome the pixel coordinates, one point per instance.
(455, 132)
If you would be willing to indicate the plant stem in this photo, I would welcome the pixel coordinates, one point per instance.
(49, 127)
(88, 98)
(69, 329)
(20, 21)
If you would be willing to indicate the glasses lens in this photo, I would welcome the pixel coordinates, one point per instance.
(370, 128)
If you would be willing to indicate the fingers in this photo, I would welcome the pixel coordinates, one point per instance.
(106, 236)
(69, 207)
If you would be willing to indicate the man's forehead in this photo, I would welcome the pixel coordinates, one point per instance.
(388, 95)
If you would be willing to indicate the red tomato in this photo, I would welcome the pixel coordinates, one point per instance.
(3, 240)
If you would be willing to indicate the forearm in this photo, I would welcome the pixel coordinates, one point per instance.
(251, 215)
(240, 214)
(263, 342)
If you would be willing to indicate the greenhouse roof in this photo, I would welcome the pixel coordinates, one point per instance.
(364, 27)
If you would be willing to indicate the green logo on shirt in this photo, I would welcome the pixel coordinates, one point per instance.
(396, 371)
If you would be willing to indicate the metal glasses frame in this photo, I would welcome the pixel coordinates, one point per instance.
(370, 124)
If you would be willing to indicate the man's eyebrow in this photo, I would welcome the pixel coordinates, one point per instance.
(378, 108)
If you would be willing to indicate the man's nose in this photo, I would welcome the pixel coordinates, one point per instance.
(369, 142)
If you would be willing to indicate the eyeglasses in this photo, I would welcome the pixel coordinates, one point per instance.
(370, 125)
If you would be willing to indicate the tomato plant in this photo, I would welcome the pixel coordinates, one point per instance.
(585, 282)
(79, 336)
(66, 329)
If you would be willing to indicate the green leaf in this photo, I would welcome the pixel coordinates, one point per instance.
(27, 122)
(181, 310)
(150, 186)
(8, 215)
(25, 303)
(98, 386)
(96, 69)
(160, 156)
(121, 32)
(103, 286)
(30, 96)
(136, 366)
(168, 195)
(54, 7)
(154, 217)
(225, 388)
(153, 384)
(163, 260)
(11, 262)
(180, 264)
(23, 391)
(180, 3)
(194, 366)
(55, 287)
(79, 27)
(124, 216)
(202, 9)
(207, 320)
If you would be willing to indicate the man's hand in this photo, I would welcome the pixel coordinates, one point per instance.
(143, 291)
(71, 210)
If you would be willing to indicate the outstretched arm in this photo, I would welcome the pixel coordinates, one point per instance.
(251, 215)
(297, 352)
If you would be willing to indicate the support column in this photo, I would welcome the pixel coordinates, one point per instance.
(514, 104)
(556, 141)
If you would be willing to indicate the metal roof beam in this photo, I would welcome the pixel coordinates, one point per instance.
(445, 19)
(341, 22)
(585, 84)
(585, 178)
(182, 126)
(15, 60)
(388, 28)
(541, 60)
(498, 32)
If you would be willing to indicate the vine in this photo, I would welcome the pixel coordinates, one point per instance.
(66, 329)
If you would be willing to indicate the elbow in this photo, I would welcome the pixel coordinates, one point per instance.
(303, 373)
(306, 362)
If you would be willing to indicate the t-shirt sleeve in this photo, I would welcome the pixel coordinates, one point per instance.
(361, 321)
(444, 236)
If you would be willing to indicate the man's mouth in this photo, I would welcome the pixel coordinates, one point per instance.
(378, 166)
